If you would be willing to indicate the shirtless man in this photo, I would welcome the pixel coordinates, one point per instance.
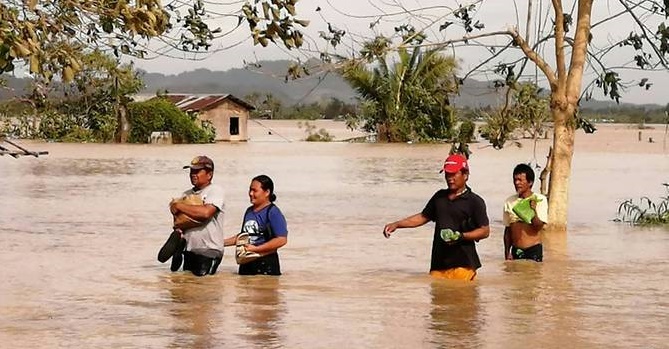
(522, 239)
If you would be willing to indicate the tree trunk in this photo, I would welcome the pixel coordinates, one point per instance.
(123, 127)
(563, 151)
(383, 133)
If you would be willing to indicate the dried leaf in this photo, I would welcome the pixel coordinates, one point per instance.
(20, 50)
(265, 10)
(34, 64)
(68, 74)
(298, 39)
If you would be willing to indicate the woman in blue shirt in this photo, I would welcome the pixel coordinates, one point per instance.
(266, 228)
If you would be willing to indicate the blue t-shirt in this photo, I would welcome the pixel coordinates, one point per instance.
(256, 223)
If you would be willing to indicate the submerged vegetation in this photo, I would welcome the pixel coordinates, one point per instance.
(645, 211)
(322, 135)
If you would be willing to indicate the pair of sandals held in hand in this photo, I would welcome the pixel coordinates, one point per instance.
(180, 222)
(242, 255)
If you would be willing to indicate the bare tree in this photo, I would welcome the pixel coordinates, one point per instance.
(572, 50)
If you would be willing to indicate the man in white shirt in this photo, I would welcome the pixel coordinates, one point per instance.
(204, 242)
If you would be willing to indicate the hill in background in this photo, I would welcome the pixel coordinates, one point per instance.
(269, 77)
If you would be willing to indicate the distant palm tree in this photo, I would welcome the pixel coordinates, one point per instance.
(272, 105)
(406, 100)
(253, 98)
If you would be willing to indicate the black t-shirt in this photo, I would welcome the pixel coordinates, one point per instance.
(465, 213)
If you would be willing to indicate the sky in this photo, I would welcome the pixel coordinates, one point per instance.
(355, 16)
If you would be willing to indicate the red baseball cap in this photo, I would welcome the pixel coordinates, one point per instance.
(455, 163)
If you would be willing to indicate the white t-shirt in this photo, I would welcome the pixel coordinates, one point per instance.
(509, 216)
(210, 235)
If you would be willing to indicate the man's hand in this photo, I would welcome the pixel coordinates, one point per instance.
(178, 204)
(388, 229)
(173, 208)
(450, 236)
(533, 201)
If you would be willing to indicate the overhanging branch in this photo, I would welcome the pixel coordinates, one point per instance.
(486, 61)
(660, 56)
(530, 53)
(534, 57)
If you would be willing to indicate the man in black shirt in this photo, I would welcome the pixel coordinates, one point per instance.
(460, 220)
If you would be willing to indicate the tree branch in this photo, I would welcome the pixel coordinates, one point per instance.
(487, 60)
(399, 13)
(517, 39)
(645, 34)
(534, 57)
(611, 17)
(528, 27)
(580, 49)
(559, 47)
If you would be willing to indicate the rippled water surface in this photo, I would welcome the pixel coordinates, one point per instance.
(81, 228)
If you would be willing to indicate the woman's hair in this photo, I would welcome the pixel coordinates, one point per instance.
(266, 184)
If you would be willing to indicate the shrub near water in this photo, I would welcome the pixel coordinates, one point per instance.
(312, 136)
(161, 115)
(646, 212)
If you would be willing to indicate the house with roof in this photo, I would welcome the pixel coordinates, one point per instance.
(227, 113)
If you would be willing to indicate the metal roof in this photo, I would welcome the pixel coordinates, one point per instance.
(196, 103)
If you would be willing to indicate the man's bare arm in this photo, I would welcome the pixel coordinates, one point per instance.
(507, 243)
(198, 212)
(477, 234)
(409, 222)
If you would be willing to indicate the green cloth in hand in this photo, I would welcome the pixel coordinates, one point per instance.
(523, 209)
(449, 235)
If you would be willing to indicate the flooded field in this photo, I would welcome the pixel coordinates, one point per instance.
(82, 226)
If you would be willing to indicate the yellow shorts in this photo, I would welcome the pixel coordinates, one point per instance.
(454, 274)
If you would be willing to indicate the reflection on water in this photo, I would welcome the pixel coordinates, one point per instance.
(260, 310)
(195, 306)
(556, 245)
(81, 229)
(455, 314)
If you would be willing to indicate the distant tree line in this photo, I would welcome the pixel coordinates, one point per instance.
(267, 106)
(94, 105)
(628, 114)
